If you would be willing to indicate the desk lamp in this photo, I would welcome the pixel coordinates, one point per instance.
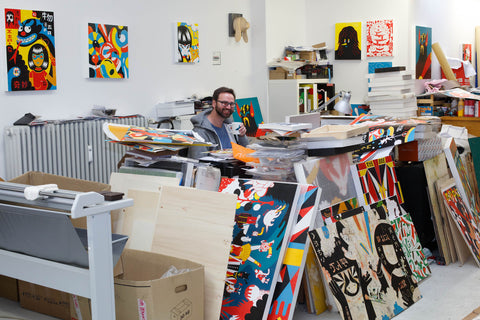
(342, 106)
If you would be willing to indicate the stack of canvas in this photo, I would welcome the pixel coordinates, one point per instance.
(392, 93)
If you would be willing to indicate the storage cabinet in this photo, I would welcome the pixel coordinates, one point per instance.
(284, 96)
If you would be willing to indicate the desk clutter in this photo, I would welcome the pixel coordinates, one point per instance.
(328, 216)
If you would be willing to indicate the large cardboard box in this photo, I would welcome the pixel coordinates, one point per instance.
(8, 288)
(277, 73)
(141, 293)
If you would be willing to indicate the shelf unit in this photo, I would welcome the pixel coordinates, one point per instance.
(284, 95)
(94, 282)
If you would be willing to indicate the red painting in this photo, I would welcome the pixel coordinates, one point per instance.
(380, 38)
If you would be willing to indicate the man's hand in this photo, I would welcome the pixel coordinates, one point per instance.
(242, 131)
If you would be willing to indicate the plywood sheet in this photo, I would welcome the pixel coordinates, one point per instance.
(197, 225)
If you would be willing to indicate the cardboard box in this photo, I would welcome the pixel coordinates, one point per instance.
(80, 308)
(277, 73)
(8, 288)
(308, 55)
(140, 293)
(44, 300)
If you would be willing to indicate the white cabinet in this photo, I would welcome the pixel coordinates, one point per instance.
(284, 97)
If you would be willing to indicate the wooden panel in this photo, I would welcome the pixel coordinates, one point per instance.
(472, 124)
(197, 225)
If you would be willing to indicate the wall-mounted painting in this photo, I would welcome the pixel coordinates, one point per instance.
(467, 52)
(348, 41)
(380, 38)
(423, 52)
(187, 50)
(107, 51)
(30, 45)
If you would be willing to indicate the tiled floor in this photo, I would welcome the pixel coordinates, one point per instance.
(451, 292)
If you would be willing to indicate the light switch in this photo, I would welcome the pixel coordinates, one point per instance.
(217, 58)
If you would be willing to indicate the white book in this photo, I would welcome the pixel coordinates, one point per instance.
(410, 87)
(404, 96)
(334, 143)
(388, 93)
(391, 83)
(284, 126)
(390, 76)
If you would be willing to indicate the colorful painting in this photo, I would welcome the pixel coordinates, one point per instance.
(466, 222)
(402, 223)
(289, 279)
(467, 52)
(263, 221)
(108, 51)
(187, 47)
(316, 288)
(338, 211)
(364, 267)
(248, 111)
(348, 41)
(380, 38)
(30, 44)
(378, 65)
(423, 52)
(459, 173)
(377, 180)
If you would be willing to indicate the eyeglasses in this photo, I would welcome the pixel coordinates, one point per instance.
(226, 103)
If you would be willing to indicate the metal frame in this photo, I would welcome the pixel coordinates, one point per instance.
(96, 282)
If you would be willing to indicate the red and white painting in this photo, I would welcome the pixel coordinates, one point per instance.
(380, 38)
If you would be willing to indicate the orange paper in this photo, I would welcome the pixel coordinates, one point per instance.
(241, 153)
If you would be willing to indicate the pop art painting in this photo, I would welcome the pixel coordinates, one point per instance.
(263, 221)
(364, 267)
(380, 38)
(423, 52)
(248, 111)
(348, 41)
(187, 46)
(30, 45)
(108, 51)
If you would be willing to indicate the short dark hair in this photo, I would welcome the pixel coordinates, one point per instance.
(217, 92)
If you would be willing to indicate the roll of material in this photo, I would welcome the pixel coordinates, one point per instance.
(443, 62)
(33, 192)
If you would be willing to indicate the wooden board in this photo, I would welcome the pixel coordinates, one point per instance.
(197, 225)
(122, 182)
(435, 168)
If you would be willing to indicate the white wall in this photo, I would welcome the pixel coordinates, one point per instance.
(153, 75)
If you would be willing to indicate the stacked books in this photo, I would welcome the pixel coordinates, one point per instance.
(391, 92)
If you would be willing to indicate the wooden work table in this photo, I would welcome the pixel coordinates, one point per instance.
(471, 123)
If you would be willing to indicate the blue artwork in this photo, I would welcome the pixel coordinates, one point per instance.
(376, 65)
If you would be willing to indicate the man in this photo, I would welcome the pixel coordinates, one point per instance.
(211, 124)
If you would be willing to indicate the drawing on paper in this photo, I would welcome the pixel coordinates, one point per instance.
(30, 45)
(380, 38)
(187, 48)
(108, 51)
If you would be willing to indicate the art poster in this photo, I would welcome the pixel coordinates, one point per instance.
(380, 38)
(378, 65)
(377, 180)
(348, 41)
(248, 111)
(291, 272)
(459, 173)
(364, 267)
(332, 174)
(423, 53)
(466, 222)
(467, 52)
(187, 46)
(402, 223)
(337, 211)
(263, 221)
(108, 51)
(30, 45)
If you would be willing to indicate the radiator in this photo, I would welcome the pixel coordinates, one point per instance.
(73, 149)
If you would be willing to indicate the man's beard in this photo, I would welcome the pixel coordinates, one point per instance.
(224, 113)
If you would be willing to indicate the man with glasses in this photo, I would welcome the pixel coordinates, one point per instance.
(212, 124)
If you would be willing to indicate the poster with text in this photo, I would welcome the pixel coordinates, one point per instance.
(30, 46)
(107, 51)
(187, 48)
(380, 38)
(348, 41)
(423, 52)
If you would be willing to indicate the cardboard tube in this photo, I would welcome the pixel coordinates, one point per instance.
(443, 62)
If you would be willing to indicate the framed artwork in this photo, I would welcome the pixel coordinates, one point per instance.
(467, 52)
(248, 111)
(30, 45)
(380, 38)
(423, 52)
(348, 41)
(187, 47)
(108, 51)
(263, 222)
(377, 65)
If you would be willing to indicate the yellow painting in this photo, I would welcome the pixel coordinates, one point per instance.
(348, 44)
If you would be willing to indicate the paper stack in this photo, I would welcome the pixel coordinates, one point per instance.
(392, 93)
